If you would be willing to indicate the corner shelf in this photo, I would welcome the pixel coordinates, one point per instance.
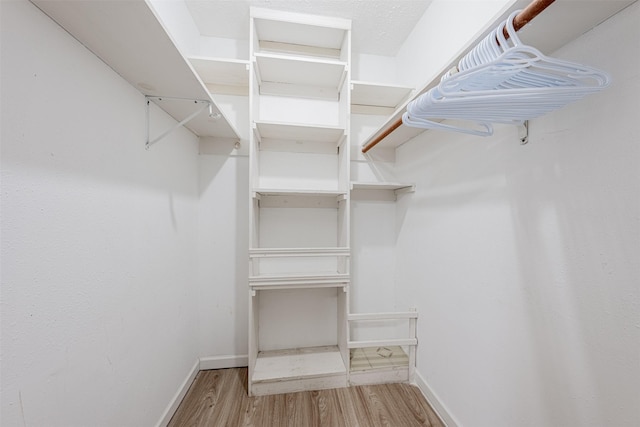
(380, 190)
(223, 76)
(120, 33)
(394, 186)
(377, 98)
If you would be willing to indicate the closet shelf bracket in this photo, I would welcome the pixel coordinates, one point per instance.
(201, 103)
(523, 132)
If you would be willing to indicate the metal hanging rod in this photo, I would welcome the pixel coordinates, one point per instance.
(202, 103)
(527, 14)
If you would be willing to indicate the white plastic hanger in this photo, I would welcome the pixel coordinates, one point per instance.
(502, 81)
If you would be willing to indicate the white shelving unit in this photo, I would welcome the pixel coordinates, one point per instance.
(299, 212)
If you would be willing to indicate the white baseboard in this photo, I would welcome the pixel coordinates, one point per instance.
(177, 398)
(435, 402)
(223, 362)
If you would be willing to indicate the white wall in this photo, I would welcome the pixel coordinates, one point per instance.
(99, 297)
(445, 29)
(523, 260)
(223, 251)
(223, 240)
(178, 23)
(374, 68)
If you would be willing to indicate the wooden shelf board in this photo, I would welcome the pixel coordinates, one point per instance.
(129, 37)
(313, 362)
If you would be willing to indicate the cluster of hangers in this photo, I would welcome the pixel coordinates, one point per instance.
(501, 80)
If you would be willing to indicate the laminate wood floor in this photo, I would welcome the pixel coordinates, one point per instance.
(219, 398)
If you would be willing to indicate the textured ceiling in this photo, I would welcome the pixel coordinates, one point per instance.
(378, 26)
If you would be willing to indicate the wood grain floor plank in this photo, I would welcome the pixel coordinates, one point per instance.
(219, 398)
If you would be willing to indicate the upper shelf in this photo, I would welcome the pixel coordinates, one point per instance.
(376, 98)
(567, 21)
(297, 132)
(129, 37)
(300, 34)
(280, 74)
(223, 76)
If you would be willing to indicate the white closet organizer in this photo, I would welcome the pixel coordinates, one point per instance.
(299, 212)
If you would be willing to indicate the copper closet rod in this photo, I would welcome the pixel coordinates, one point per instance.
(531, 11)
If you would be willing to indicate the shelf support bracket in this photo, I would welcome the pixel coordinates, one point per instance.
(523, 132)
(203, 103)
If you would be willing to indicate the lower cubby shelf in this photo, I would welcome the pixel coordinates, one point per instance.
(292, 370)
(378, 365)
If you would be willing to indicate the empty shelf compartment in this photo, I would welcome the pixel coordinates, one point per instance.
(303, 266)
(384, 357)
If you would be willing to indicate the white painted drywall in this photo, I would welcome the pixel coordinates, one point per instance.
(217, 47)
(374, 68)
(178, 23)
(440, 35)
(223, 238)
(524, 260)
(99, 297)
(223, 253)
